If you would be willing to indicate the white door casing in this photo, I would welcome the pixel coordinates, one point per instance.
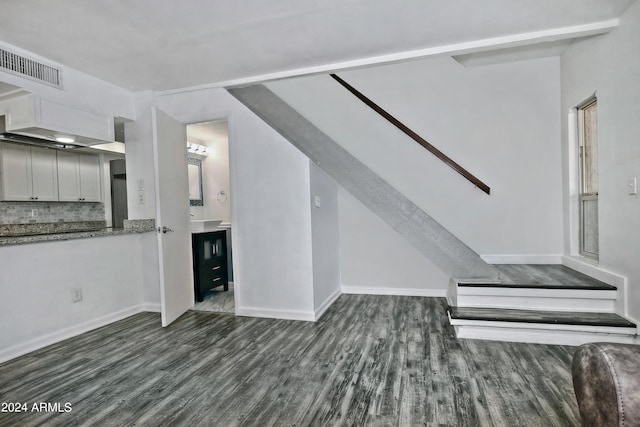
(172, 216)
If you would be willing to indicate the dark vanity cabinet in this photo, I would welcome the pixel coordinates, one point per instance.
(209, 262)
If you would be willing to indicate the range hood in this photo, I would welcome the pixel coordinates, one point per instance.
(31, 140)
(29, 119)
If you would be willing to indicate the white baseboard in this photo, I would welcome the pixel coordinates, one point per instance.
(63, 334)
(309, 316)
(592, 269)
(522, 259)
(327, 303)
(411, 292)
(151, 307)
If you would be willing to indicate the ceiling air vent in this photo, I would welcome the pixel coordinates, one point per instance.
(29, 68)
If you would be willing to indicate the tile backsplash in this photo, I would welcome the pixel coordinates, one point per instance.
(20, 212)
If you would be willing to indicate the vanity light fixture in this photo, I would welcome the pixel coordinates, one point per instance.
(197, 149)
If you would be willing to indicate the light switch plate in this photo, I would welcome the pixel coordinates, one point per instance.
(316, 201)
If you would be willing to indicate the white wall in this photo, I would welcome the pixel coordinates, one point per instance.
(375, 259)
(501, 122)
(272, 258)
(139, 153)
(139, 156)
(325, 239)
(216, 178)
(150, 271)
(37, 282)
(610, 65)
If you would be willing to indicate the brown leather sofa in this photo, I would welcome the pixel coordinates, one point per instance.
(606, 380)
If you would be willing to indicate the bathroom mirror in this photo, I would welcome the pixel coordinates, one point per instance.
(194, 168)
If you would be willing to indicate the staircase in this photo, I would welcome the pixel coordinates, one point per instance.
(525, 303)
(548, 304)
(434, 241)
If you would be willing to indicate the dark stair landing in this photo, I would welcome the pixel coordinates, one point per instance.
(542, 277)
(537, 316)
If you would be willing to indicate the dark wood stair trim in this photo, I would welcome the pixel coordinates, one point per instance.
(539, 316)
(602, 287)
(397, 123)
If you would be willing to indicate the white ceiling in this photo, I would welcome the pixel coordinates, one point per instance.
(168, 44)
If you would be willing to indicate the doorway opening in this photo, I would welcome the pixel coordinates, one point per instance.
(210, 215)
(588, 176)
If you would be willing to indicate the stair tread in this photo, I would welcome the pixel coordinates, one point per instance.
(541, 276)
(540, 316)
(544, 275)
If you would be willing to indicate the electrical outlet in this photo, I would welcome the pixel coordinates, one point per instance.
(141, 197)
(76, 295)
(34, 213)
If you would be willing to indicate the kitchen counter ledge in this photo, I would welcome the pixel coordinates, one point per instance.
(131, 227)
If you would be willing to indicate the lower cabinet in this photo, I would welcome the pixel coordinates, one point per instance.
(209, 262)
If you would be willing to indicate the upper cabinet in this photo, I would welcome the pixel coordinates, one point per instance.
(41, 174)
(28, 173)
(89, 171)
(78, 177)
(35, 116)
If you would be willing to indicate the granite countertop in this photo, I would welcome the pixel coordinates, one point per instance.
(50, 234)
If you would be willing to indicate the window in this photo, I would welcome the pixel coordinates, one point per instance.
(588, 169)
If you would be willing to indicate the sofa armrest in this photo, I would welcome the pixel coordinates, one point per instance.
(606, 380)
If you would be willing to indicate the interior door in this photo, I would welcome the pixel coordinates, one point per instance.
(172, 216)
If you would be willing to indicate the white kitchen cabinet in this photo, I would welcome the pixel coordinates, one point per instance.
(89, 170)
(16, 172)
(68, 178)
(78, 177)
(28, 173)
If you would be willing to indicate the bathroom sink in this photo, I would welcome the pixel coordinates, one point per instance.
(204, 225)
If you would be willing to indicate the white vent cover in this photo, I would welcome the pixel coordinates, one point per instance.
(29, 68)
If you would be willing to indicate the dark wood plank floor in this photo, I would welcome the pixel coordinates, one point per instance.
(371, 360)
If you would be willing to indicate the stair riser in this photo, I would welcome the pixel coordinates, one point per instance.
(541, 336)
(537, 303)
